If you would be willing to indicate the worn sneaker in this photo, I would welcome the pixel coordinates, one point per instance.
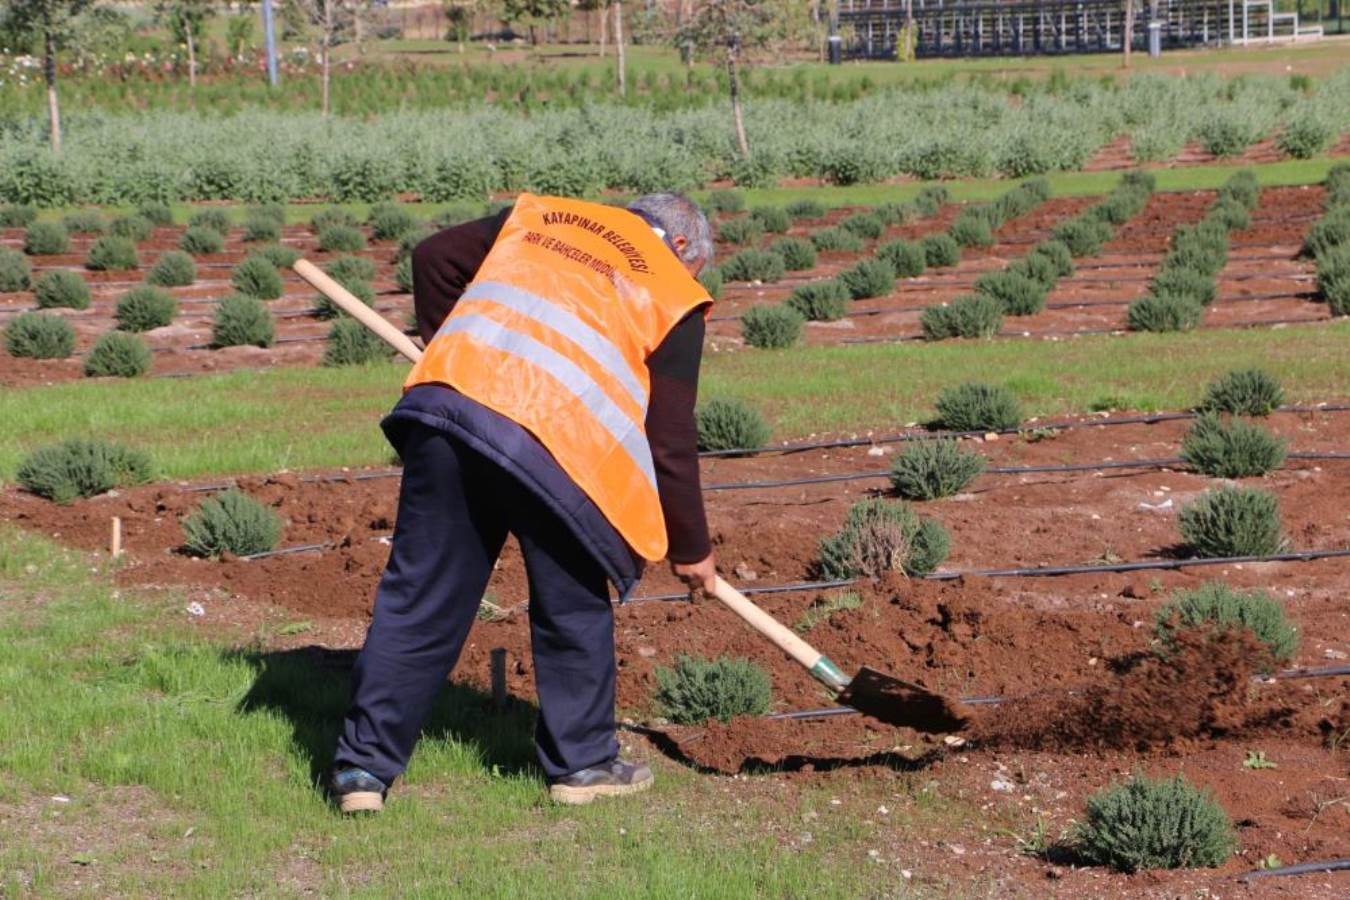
(358, 791)
(605, 780)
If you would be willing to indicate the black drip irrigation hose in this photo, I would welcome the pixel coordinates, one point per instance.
(1168, 462)
(1252, 323)
(1146, 419)
(1085, 304)
(1330, 865)
(1038, 572)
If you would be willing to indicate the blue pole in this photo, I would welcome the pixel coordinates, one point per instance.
(270, 38)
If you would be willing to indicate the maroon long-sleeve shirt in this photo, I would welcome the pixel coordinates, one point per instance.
(445, 263)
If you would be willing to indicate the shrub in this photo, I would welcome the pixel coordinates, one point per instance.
(157, 214)
(341, 239)
(836, 239)
(134, 227)
(1243, 392)
(868, 278)
(882, 536)
(730, 425)
(1235, 449)
(1241, 188)
(1059, 255)
(906, 258)
(217, 220)
(1140, 178)
(15, 271)
(118, 355)
(930, 200)
(927, 470)
(891, 213)
(1038, 268)
(63, 288)
(39, 335)
(1232, 521)
(725, 201)
(978, 407)
(1166, 312)
(112, 253)
(797, 253)
(1017, 294)
(940, 250)
(971, 316)
(1328, 233)
(408, 242)
(403, 275)
(389, 221)
(333, 217)
(971, 229)
(711, 279)
(173, 269)
(14, 216)
(46, 239)
(744, 230)
(1216, 607)
(242, 321)
(1306, 136)
(771, 327)
(82, 468)
(697, 690)
(754, 265)
(1231, 214)
(327, 309)
(864, 225)
(1188, 283)
(1123, 204)
(85, 221)
(231, 522)
(352, 344)
(199, 241)
(806, 209)
(821, 301)
(279, 255)
(1333, 279)
(773, 219)
(261, 228)
(1202, 247)
(145, 307)
(1146, 824)
(274, 212)
(257, 277)
(1083, 236)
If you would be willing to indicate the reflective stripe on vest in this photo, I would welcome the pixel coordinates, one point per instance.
(581, 385)
(554, 333)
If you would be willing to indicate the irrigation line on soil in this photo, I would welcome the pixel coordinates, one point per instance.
(1330, 865)
(1146, 419)
(1038, 572)
(1119, 329)
(1084, 304)
(1166, 462)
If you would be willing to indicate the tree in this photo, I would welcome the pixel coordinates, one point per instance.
(336, 20)
(52, 22)
(460, 15)
(533, 12)
(727, 27)
(1127, 37)
(618, 47)
(187, 23)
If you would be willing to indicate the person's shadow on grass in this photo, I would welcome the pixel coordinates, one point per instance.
(310, 687)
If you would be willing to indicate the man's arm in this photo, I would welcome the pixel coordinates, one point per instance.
(444, 264)
(673, 436)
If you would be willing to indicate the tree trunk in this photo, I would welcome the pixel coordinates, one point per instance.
(327, 53)
(1127, 36)
(49, 72)
(192, 52)
(734, 84)
(618, 47)
(604, 29)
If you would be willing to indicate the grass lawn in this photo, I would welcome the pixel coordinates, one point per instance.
(311, 417)
(141, 757)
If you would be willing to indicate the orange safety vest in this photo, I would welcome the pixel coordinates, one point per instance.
(554, 333)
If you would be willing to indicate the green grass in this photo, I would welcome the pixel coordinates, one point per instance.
(309, 417)
(189, 767)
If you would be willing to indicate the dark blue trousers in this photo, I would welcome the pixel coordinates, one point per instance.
(455, 510)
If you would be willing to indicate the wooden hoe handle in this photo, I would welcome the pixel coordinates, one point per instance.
(817, 663)
(356, 309)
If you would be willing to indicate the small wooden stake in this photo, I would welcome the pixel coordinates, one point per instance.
(115, 542)
(498, 661)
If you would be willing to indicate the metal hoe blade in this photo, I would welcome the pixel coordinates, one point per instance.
(897, 702)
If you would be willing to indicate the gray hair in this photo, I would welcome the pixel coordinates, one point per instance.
(679, 216)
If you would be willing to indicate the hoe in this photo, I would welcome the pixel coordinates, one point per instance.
(870, 692)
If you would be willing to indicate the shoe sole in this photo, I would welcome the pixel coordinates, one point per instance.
(361, 802)
(569, 795)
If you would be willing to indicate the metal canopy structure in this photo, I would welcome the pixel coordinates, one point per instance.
(873, 29)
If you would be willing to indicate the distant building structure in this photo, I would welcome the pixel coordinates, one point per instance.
(874, 29)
